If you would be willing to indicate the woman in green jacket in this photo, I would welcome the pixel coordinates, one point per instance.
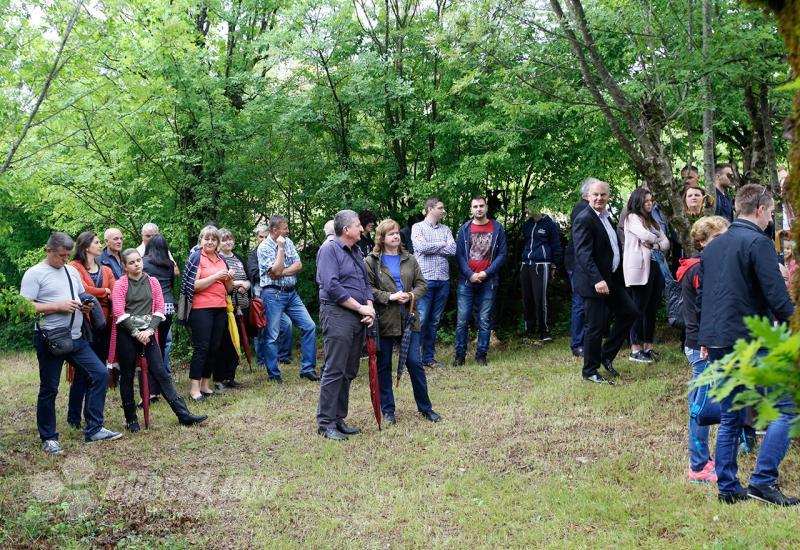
(396, 278)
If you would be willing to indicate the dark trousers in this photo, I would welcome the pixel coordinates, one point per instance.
(578, 321)
(534, 280)
(152, 383)
(128, 349)
(647, 299)
(209, 326)
(80, 383)
(599, 313)
(86, 361)
(416, 372)
(225, 370)
(343, 333)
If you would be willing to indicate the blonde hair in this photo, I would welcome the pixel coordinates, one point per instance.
(208, 231)
(707, 227)
(380, 235)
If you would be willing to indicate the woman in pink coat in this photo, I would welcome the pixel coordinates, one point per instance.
(642, 276)
(137, 309)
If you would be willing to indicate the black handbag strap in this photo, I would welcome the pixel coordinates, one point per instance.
(71, 294)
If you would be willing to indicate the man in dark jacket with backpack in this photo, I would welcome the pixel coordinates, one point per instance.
(540, 255)
(740, 278)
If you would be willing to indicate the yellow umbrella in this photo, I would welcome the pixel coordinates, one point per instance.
(232, 328)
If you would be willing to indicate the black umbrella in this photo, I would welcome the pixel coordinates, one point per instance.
(405, 341)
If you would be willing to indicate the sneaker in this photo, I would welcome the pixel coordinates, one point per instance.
(546, 337)
(52, 447)
(707, 475)
(102, 435)
(771, 494)
(650, 354)
(733, 498)
(433, 365)
(481, 360)
(639, 357)
(458, 361)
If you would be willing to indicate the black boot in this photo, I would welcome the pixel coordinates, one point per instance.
(185, 417)
(130, 413)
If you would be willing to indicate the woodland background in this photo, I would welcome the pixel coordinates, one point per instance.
(189, 112)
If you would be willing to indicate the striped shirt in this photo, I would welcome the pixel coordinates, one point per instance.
(432, 245)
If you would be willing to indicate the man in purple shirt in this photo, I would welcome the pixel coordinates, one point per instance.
(345, 312)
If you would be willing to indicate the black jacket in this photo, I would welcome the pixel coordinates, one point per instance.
(542, 242)
(593, 255)
(688, 276)
(740, 277)
(253, 273)
(569, 251)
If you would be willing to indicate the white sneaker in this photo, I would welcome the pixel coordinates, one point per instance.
(102, 435)
(52, 446)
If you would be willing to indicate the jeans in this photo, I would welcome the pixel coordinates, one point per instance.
(86, 361)
(80, 382)
(284, 342)
(773, 447)
(276, 304)
(430, 309)
(483, 294)
(416, 372)
(699, 453)
(578, 322)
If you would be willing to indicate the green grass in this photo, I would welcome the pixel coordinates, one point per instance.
(527, 455)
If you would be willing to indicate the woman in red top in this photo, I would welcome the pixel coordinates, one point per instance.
(209, 317)
(98, 280)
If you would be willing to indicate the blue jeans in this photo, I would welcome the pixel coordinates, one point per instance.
(277, 303)
(578, 321)
(167, 347)
(482, 294)
(773, 447)
(85, 360)
(416, 372)
(284, 342)
(430, 309)
(699, 453)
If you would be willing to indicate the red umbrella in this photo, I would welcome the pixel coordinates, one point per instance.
(374, 392)
(142, 364)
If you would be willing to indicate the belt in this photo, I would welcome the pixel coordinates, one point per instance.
(281, 288)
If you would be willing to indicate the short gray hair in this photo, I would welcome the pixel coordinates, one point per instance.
(108, 231)
(328, 228)
(59, 240)
(150, 226)
(343, 219)
(276, 220)
(587, 183)
(261, 229)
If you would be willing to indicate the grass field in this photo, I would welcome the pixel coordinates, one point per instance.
(528, 455)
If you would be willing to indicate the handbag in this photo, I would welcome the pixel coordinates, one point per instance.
(59, 340)
(256, 316)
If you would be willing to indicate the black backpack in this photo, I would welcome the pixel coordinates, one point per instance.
(674, 303)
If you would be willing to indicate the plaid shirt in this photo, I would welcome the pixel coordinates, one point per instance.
(432, 245)
(267, 254)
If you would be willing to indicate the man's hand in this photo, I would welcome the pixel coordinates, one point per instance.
(87, 307)
(602, 288)
(366, 311)
(281, 241)
(68, 306)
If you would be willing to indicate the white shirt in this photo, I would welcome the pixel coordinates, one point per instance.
(612, 236)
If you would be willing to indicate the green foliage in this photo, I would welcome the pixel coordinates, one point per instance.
(766, 378)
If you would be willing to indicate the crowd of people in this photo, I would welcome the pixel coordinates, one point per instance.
(115, 306)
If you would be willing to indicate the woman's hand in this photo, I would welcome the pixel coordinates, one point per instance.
(143, 336)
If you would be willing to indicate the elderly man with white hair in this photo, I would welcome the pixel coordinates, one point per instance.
(111, 255)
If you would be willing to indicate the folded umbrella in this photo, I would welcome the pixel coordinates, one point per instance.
(141, 363)
(243, 333)
(405, 341)
(374, 391)
(232, 329)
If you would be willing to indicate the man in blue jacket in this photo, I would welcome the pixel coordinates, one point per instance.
(540, 255)
(480, 253)
(741, 278)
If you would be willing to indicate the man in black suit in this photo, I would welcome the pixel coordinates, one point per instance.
(598, 279)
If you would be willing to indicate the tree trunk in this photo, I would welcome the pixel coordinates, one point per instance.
(708, 113)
